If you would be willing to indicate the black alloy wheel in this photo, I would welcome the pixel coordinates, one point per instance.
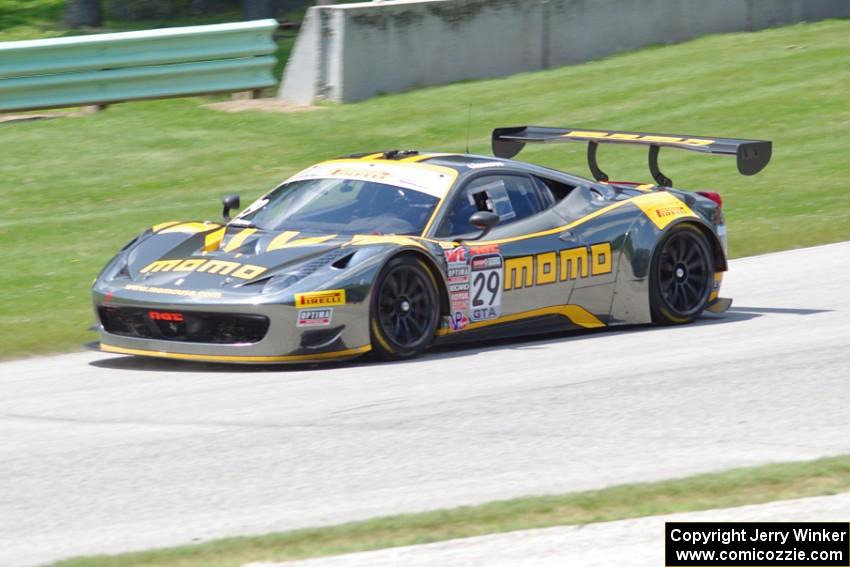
(682, 276)
(405, 309)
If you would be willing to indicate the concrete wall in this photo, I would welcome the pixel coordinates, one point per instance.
(350, 52)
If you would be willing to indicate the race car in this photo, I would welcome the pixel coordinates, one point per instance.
(391, 252)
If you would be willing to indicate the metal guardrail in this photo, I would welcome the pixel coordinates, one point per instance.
(116, 67)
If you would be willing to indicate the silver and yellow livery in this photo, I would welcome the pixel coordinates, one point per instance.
(393, 251)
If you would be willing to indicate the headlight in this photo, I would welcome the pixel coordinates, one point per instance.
(116, 268)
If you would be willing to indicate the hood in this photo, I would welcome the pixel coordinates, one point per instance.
(205, 255)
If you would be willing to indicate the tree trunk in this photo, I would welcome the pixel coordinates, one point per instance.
(137, 10)
(207, 7)
(83, 13)
(258, 9)
(287, 5)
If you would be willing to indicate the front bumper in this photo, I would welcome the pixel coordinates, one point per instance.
(346, 336)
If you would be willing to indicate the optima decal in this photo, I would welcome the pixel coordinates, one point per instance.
(315, 317)
(563, 265)
(203, 265)
(320, 298)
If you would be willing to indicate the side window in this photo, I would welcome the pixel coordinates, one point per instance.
(545, 193)
(512, 197)
(555, 189)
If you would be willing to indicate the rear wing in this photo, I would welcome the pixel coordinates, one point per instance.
(752, 155)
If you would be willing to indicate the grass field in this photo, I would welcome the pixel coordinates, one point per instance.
(75, 189)
(737, 487)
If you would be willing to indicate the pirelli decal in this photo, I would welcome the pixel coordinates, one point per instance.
(320, 298)
(563, 265)
(662, 208)
(206, 266)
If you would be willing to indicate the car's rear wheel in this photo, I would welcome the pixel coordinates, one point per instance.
(681, 276)
(405, 309)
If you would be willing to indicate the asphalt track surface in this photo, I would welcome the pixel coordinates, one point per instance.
(102, 453)
(631, 543)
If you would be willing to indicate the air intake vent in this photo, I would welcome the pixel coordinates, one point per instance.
(343, 262)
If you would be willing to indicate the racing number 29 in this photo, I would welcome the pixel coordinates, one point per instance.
(490, 281)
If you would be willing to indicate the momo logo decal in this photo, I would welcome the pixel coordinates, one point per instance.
(638, 138)
(563, 265)
(203, 265)
(320, 298)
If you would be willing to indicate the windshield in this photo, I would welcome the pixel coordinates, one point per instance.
(342, 206)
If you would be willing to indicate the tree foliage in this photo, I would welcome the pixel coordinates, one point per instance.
(90, 13)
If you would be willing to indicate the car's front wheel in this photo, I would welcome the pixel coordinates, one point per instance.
(405, 308)
(681, 276)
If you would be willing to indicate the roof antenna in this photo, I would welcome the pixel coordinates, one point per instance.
(468, 126)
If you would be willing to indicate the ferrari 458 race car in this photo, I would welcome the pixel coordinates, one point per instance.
(389, 252)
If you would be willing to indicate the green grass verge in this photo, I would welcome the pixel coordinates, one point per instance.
(75, 190)
(704, 492)
(28, 19)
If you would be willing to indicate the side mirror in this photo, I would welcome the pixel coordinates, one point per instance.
(483, 221)
(229, 203)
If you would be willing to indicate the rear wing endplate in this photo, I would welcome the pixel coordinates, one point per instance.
(752, 155)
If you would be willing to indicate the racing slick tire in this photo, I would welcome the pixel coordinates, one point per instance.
(681, 276)
(405, 309)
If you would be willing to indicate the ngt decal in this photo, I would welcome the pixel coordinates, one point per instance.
(320, 298)
(550, 267)
(166, 316)
(206, 266)
(315, 317)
